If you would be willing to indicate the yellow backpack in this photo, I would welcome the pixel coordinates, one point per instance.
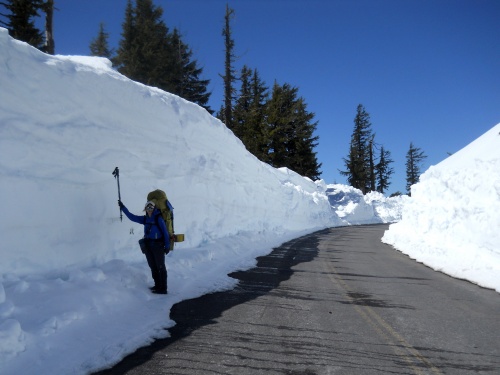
(167, 213)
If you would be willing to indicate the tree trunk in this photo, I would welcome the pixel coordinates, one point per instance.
(49, 36)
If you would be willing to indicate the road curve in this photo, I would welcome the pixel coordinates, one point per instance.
(338, 301)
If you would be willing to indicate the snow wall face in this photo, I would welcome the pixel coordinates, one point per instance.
(67, 122)
(354, 208)
(452, 220)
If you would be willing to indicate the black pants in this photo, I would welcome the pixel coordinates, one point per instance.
(155, 255)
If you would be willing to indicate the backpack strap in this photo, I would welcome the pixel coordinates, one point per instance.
(171, 208)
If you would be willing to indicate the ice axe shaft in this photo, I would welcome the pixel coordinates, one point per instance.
(116, 173)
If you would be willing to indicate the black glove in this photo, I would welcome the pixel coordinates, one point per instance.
(120, 204)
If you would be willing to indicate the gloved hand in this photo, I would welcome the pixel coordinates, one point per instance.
(120, 204)
(166, 248)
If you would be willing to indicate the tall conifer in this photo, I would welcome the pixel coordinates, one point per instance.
(126, 59)
(151, 47)
(99, 45)
(414, 159)
(371, 164)
(291, 139)
(359, 163)
(48, 8)
(241, 112)
(229, 76)
(249, 113)
(150, 54)
(383, 170)
(257, 139)
(187, 81)
(20, 21)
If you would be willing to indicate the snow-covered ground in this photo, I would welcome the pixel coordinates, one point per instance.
(452, 221)
(74, 291)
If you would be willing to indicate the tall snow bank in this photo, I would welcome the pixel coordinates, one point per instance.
(452, 220)
(354, 208)
(67, 122)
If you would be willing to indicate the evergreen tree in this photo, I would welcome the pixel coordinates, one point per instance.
(229, 77)
(249, 113)
(145, 54)
(99, 45)
(257, 137)
(126, 58)
(241, 112)
(359, 162)
(48, 8)
(20, 22)
(187, 82)
(150, 54)
(383, 170)
(280, 122)
(151, 47)
(414, 159)
(305, 162)
(291, 140)
(371, 164)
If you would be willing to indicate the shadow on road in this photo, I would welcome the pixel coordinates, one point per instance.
(190, 315)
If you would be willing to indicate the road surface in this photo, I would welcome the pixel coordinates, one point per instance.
(338, 301)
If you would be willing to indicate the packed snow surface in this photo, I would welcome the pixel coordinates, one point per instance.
(74, 294)
(452, 221)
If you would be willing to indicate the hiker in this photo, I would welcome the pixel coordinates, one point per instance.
(156, 241)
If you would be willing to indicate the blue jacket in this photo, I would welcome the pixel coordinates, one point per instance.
(154, 226)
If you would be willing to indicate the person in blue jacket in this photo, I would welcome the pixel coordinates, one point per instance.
(157, 243)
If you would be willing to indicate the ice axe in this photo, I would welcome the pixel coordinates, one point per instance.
(116, 173)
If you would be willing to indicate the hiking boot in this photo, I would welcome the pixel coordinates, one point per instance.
(159, 291)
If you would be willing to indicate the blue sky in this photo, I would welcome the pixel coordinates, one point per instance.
(427, 71)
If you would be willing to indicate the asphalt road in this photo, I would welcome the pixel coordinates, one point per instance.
(338, 301)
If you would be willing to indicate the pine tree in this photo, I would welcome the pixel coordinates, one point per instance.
(20, 23)
(152, 48)
(359, 162)
(257, 137)
(145, 54)
(249, 113)
(99, 45)
(305, 162)
(241, 111)
(371, 164)
(291, 139)
(383, 170)
(414, 159)
(187, 82)
(48, 8)
(229, 77)
(279, 122)
(126, 59)
(150, 54)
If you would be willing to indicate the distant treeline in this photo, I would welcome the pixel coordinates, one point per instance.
(273, 123)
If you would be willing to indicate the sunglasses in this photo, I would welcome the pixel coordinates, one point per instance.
(150, 208)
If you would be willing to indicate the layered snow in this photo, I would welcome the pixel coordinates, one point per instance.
(452, 221)
(74, 294)
(353, 207)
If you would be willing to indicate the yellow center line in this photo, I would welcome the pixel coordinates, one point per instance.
(385, 331)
